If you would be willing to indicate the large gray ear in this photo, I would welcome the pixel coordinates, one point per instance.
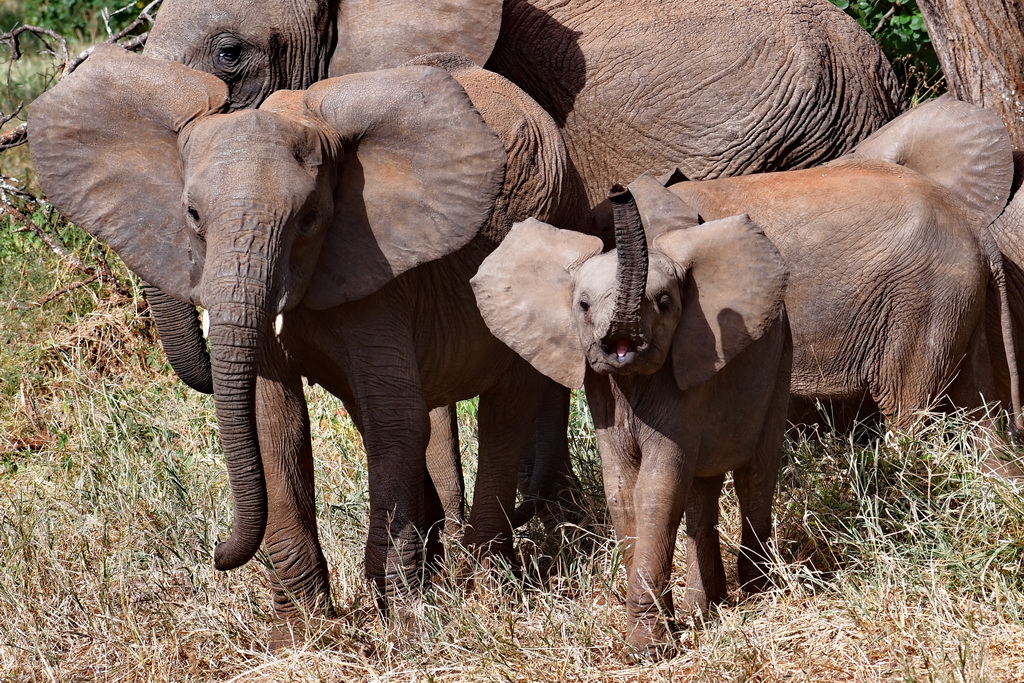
(524, 291)
(417, 181)
(735, 283)
(380, 34)
(964, 148)
(104, 145)
(661, 210)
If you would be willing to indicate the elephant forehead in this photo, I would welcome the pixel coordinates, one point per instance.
(596, 276)
(252, 126)
(266, 146)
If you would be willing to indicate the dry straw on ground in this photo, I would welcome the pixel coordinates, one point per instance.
(896, 562)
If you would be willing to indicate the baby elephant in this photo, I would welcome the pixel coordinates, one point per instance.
(685, 354)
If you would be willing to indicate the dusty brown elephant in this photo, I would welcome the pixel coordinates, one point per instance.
(684, 352)
(891, 261)
(718, 88)
(331, 234)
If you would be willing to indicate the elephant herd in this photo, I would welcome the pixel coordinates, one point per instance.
(408, 203)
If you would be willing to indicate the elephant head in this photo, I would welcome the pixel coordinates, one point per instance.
(700, 294)
(317, 198)
(259, 47)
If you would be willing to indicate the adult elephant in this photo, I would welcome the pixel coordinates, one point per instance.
(713, 88)
(331, 234)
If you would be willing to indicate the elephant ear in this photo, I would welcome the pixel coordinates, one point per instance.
(964, 148)
(524, 292)
(105, 150)
(661, 210)
(735, 282)
(417, 180)
(380, 34)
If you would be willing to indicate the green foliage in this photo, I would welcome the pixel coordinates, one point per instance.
(80, 20)
(899, 28)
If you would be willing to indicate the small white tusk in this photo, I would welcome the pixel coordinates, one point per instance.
(278, 324)
(206, 323)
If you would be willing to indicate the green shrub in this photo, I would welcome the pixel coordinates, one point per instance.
(899, 28)
(76, 20)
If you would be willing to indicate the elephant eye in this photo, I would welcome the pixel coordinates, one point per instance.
(228, 50)
(193, 218)
(584, 305)
(664, 302)
(228, 55)
(308, 222)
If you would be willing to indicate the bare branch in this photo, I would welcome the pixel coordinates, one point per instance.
(15, 136)
(11, 39)
(136, 43)
(12, 114)
(64, 290)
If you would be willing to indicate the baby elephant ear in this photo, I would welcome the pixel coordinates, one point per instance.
(417, 180)
(380, 34)
(105, 149)
(735, 282)
(964, 148)
(524, 291)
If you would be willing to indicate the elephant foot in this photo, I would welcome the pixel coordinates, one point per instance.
(646, 648)
(297, 633)
(697, 603)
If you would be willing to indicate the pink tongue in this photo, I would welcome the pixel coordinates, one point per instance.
(622, 349)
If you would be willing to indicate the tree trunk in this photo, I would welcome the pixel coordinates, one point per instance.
(980, 45)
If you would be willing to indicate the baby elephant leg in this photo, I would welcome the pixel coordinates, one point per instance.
(705, 574)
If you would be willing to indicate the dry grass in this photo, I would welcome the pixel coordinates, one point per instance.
(896, 560)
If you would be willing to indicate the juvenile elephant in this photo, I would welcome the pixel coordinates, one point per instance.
(684, 352)
(891, 260)
(330, 234)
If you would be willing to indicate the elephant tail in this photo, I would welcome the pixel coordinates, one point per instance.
(997, 272)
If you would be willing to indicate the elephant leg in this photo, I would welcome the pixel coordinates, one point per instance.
(913, 375)
(552, 488)
(397, 429)
(659, 500)
(705, 574)
(373, 346)
(444, 463)
(298, 570)
(505, 417)
(755, 488)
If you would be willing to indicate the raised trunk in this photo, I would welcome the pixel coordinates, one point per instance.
(181, 336)
(236, 322)
(631, 273)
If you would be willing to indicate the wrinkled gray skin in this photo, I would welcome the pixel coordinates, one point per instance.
(890, 275)
(667, 429)
(354, 214)
(715, 89)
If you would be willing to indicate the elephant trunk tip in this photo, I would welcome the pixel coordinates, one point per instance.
(619, 194)
(235, 551)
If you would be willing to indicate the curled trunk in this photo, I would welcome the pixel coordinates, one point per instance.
(181, 336)
(631, 273)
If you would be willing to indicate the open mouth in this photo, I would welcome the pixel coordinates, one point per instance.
(623, 351)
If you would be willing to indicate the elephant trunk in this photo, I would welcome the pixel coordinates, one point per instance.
(237, 321)
(631, 272)
(181, 335)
